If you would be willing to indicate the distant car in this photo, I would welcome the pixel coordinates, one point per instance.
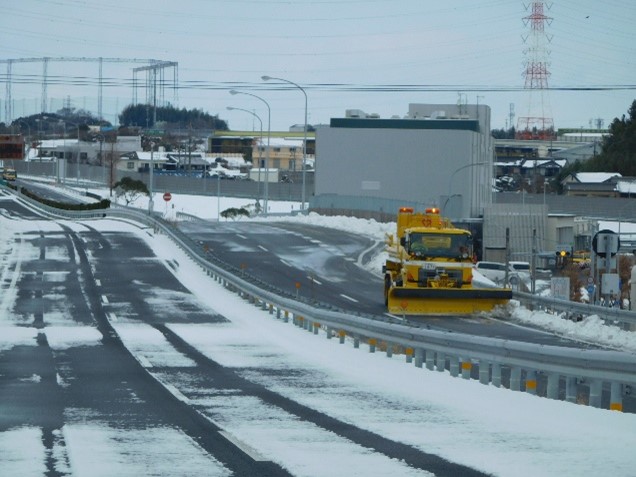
(9, 174)
(496, 272)
(521, 268)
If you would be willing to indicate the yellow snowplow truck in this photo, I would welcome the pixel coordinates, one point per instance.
(429, 269)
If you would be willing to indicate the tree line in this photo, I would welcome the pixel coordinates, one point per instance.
(169, 117)
(618, 149)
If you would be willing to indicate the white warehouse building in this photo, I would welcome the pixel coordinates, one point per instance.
(438, 155)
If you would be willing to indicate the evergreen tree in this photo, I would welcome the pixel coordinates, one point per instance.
(618, 153)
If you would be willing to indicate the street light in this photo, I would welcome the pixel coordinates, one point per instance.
(28, 129)
(151, 203)
(230, 108)
(450, 181)
(267, 78)
(269, 132)
(65, 122)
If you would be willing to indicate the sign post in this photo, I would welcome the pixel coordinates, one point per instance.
(167, 196)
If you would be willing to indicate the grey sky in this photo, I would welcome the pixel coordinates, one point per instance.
(415, 51)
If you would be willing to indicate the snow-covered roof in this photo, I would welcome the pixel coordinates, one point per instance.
(281, 142)
(531, 163)
(595, 177)
(626, 186)
(156, 156)
(517, 162)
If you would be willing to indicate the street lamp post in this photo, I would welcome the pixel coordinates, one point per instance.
(269, 132)
(450, 181)
(150, 180)
(65, 122)
(230, 108)
(100, 138)
(267, 78)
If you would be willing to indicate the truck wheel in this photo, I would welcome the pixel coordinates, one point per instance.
(387, 287)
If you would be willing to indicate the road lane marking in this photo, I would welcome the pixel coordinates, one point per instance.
(241, 236)
(105, 299)
(312, 279)
(246, 448)
(348, 298)
(263, 248)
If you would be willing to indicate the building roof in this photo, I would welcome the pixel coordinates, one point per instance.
(595, 177)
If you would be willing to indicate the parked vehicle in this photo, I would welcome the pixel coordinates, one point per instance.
(521, 268)
(496, 271)
(9, 174)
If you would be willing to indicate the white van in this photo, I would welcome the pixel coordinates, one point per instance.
(521, 268)
(496, 272)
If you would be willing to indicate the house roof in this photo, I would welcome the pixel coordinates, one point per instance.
(532, 163)
(626, 186)
(595, 177)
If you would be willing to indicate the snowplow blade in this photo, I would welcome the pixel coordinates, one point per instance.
(445, 301)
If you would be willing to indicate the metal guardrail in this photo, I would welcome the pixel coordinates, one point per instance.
(574, 309)
(492, 358)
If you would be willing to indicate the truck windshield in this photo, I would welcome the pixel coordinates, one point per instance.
(440, 245)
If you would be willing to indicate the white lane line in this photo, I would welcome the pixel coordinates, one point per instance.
(348, 298)
(105, 299)
(145, 362)
(241, 236)
(111, 316)
(263, 248)
(250, 451)
(312, 279)
(98, 282)
(285, 262)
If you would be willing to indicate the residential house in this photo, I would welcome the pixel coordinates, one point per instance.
(591, 184)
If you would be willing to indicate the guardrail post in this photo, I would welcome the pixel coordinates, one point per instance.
(408, 352)
(389, 350)
(596, 389)
(419, 357)
(356, 341)
(277, 313)
(570, 389)
(531, 382)
(440, 364)
(515, 379)
(484, 372)
(271, 308)
(316, 327)
(467, 367)
(286, 316)
(372, 343)
(430, 359)
(454, 366)
(342, 334)
(329, 332)
(496, 375)
(616, 397)
(553, 386)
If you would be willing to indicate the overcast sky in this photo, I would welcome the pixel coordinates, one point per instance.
(373, 55)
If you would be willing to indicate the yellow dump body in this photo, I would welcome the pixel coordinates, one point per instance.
(429, 269)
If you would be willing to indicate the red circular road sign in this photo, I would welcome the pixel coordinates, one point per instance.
(167, 196)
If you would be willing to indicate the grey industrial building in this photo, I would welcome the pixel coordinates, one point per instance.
(438, 155)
